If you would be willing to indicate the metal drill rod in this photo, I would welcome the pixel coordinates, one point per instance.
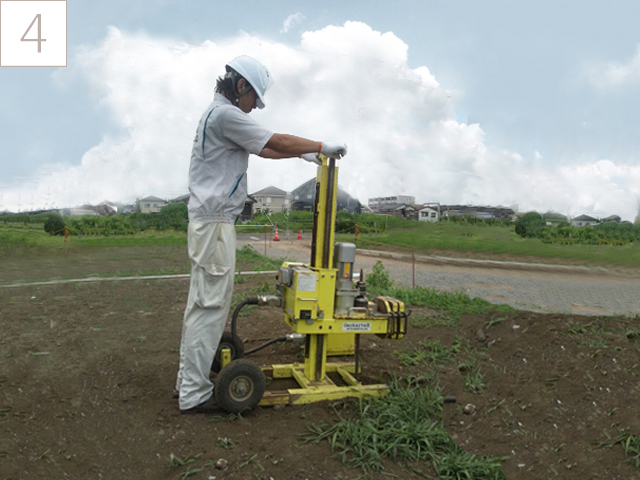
(315, 226)
(328, 225)
(357, 352)
(320, 356)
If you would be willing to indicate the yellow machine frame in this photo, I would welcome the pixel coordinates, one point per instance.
(309, 295)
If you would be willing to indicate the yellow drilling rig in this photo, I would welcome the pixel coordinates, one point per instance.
(325, 309)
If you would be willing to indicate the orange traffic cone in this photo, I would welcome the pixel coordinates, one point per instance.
(299, 234)
(276, 238)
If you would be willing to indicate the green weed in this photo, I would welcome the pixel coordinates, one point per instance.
(474, 381)
(379, 281)
(225, 442)
(249, 255)
(630, 445)
(430, 353)
(404, 425)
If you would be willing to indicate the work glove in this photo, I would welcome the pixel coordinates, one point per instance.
(311, 158)
(333, 150)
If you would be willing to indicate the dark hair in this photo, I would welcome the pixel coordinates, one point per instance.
(224, 86)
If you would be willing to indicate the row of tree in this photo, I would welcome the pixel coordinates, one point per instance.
(532, 225)
(175, 217)
(171, 217)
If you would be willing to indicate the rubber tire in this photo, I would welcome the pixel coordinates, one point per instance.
(237, 350)
(244, 375)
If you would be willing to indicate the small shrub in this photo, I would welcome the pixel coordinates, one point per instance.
(379, 281)
(54, 225)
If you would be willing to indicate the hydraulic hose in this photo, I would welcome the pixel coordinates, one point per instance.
(236, 312)
(282, 338)
(254, 301)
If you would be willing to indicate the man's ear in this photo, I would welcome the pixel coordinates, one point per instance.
(240, 86)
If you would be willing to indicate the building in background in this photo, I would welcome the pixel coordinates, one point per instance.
(149, 204)
(583, 221)
(554, 218)
(389, 204)
(303, 198)
(428, 214)
(271, 199)
(447, 211)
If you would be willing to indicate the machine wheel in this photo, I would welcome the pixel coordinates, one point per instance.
(240, 386)
(237, 350)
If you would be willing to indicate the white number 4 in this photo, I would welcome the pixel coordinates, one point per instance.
(37, 18)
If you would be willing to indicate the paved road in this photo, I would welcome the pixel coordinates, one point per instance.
(541, 289)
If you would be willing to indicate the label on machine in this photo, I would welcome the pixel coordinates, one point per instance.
(356, 327)
(306, 282)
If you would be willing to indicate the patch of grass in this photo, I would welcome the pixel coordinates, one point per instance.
(418, 320)
(225, 442)
(456, 304)
(175, 461)
(633, 335)
(404, 425)
(630, 444)
(495, 321)
(249, 255)
(474, 381)
(12, 241)
(430, 353)
(147, 238)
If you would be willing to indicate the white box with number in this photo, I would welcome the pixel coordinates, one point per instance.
(33, 33)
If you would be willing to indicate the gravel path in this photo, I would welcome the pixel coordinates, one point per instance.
(535, 288)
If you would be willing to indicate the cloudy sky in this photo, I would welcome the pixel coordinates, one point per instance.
(488, 103)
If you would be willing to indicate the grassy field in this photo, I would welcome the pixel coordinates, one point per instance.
(421, 237)
(452, 239)
(21, 238)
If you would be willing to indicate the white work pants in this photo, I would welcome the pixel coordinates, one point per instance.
(212, 251)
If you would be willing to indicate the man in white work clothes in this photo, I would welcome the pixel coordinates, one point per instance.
(225, 137)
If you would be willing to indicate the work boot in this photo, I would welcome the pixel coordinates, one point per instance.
(210, 406)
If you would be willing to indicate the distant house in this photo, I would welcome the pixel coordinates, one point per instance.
(149, 204)
(428, 214)
(403, 211)
(554, 218)
(583, 221)
(272, 199)
(303, 198)
(126, 209)
(78, 211)
(96, 210)
(477, 212)
(611, 218)
(390, 204)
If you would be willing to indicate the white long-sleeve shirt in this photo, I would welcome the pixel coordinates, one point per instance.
(219, 160)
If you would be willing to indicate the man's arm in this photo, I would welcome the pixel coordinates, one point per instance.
(281, 145)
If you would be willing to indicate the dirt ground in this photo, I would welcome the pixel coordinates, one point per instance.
(87, 372)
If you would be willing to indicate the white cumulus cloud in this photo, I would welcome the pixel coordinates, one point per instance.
(615, 74)
(292, 21)
(345, 83)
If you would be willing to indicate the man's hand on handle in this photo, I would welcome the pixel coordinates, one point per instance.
(333, 150)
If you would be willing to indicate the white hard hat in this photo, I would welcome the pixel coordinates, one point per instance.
(253, 72)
